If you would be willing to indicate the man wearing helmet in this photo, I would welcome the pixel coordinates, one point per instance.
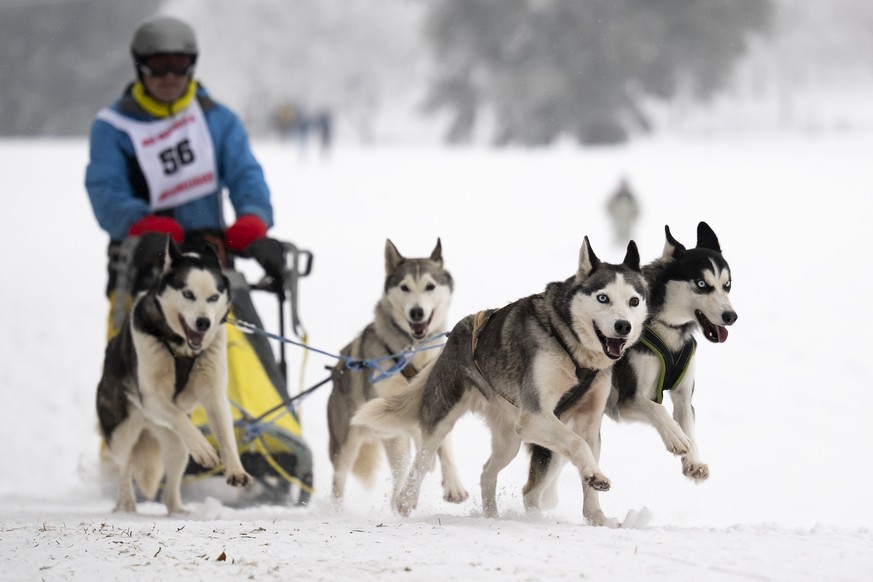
(161, 158)
(164, 152)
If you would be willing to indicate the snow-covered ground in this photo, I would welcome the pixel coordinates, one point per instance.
(783, 406)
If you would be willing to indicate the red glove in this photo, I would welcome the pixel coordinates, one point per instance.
(246, 230)
(163, 224)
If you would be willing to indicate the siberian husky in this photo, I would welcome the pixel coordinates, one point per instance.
(522, 366)
(688, 291)
(170, 356)
(411, 312)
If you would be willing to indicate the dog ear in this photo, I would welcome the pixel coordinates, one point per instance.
(706, 238)
(437, 255)
(632, 257)
(209, 256)
(229, 299)
(393, 258)
(172, 255)
(228, 291)
(588, 261)
(673, 248)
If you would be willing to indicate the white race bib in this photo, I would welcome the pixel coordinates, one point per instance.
(176, 155)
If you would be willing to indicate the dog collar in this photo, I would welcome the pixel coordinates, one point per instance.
(673, 364)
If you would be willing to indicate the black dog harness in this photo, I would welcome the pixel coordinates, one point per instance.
(585, 376)
(182, 364)
(183, 371)
(673, 364)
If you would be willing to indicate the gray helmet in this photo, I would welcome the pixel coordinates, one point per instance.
(163, 34)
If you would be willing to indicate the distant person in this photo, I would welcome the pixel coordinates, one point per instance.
(287, 117)
(162, 155)
(624, 210)
(322, 123)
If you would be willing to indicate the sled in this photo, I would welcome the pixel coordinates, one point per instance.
(266, 425)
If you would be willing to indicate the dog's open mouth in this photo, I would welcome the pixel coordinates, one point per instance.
(194, 338)
(613, 347)
(419, 328)
(715, 333)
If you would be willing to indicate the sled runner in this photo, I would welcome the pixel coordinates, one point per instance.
(267, 429)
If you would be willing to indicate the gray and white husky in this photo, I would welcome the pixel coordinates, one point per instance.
(170, 356)
(411, 312)
(688, 291)
(521, 366)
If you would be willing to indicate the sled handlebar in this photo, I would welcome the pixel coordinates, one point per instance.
(283, 265)
(282, 262)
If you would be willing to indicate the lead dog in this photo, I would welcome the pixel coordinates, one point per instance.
(521, 365)
(411, 311)
(688, 292)
(170, 356)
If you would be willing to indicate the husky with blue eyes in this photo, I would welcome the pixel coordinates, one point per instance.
(526, 367)
(169, 357)
(689, 292)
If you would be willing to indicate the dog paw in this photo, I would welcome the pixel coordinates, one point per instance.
(677, 450)
(597, 481)
(677, 441)
(179, 509)
(205, 456)
(404, 504)
(455, 495)
(238, 479)
(533, 511)
(125, 507)
(490, 511)
(695, 470)
(597, 518)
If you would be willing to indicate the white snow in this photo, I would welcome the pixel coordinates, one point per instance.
(783, 406)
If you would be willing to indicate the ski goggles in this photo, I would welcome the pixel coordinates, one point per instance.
(161, 65)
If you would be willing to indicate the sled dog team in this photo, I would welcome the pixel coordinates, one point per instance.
(542, 370)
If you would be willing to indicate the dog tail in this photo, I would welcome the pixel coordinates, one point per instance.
(394, 415)
(147, 466)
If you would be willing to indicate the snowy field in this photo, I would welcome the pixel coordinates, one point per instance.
(784, 406)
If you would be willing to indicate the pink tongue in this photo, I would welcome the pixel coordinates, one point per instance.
(722, 333)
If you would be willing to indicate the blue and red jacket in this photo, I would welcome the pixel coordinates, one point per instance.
(118, 190)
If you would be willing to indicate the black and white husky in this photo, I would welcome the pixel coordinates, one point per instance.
(411, 312)
(170, 356)
(688, 292)
(522, 366)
